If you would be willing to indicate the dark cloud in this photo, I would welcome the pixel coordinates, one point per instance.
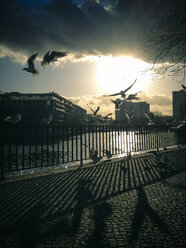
(105, 27)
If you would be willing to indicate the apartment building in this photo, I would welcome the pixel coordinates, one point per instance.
(34, 107)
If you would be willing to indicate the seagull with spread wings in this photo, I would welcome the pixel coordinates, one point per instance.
(122, 92)
(13, 119)
(52, 57)
(31, 67)
(129, 116)
(94, 112)
(117, 102)
(150, 117)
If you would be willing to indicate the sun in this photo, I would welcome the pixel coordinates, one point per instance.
(114, 74)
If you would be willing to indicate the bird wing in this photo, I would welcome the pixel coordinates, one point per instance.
(95, 112)
(129, 86)
(31, 60)
(108, 114)
(127, 114)
(45, 58)
(132, 115)
(147, 115)
(55, 54)
(116, 94)
(90, 108)
(184, 87)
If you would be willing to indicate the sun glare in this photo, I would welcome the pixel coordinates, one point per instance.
(117, 73)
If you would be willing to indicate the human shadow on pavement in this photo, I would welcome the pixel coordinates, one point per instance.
(143, 209)
(52, 207)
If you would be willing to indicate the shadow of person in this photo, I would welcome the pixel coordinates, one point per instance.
(84, 195)
(142, 209)
(101, 212)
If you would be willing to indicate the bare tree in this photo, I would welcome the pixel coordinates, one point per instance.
(164, 42)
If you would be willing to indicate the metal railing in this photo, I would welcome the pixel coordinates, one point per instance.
(39, 146)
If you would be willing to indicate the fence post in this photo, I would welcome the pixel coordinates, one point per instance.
(2, 153)
(81, 148)
(2, 163)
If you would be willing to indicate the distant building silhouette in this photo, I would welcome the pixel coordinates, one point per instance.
(179, 104)
(137, 107)
(34, 107)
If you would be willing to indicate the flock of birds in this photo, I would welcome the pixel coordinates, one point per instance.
(47, 59)
(53, 56)
(123, 97)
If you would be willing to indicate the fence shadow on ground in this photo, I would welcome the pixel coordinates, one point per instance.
(70, 209)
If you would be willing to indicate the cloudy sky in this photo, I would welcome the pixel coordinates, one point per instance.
(103, 42)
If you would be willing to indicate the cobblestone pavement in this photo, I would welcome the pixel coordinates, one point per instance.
(139, 202)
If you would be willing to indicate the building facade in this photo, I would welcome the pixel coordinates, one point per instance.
(34, 107)
(179, 104)
(137, 107)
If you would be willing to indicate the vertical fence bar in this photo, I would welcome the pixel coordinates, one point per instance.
(67, 135)
(112, 128)
(47, 143)
(53, 140)
(72, 143)
(103, 140)
(23, 148)
(106, 137)
(96, 138)
(109, 140)
(89, 142)
(2, 153)
(16, 147)
(115, 140)
(58, 138)
(85, 140)
(99, 141)
(77, 143)
(81, 148)
(41, 137)
(29, 146)
(9, 147)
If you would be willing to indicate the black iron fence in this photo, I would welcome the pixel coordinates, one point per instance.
(35, 147)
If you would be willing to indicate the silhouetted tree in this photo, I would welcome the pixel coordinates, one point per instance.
(164, 42)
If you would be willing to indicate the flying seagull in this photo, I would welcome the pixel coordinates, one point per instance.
(94, 112)
(150, 117)
(133, 97)
(129, 116)
(117, 102)
(107, 116)
(52, 57)
(122, 92)
(13, 119)
(48, 119)
(31, 67)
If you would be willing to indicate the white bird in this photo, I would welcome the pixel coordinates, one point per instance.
(117, 102)
(150, 117)
(52, 57)
(31, 67)
(13, 119)
(179, 126)
(122, 92)
(48, 119)
(129, 116)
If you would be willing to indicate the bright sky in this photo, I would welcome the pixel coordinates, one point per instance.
(96, 64)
